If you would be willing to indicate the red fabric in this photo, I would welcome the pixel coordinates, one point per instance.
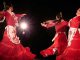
(9, 19)
(61, 27)
(1, 15)
(60, 43)
(50, 23)
(47, 51)
(11, 51)
(29, 53)
(19, 16)
(73, 51)
(75, 22)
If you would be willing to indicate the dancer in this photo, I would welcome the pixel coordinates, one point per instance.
(10, 47)
(60, 38)
(72, 52)
(72, 29)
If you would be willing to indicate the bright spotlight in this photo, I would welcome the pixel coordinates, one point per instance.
(23, 25)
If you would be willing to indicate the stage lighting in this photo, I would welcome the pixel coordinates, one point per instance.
(23, 25)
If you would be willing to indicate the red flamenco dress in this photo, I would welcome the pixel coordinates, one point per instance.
(10, 47)
(60, 40)
(72, 52)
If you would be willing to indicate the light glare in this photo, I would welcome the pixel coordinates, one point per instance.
(23, 25)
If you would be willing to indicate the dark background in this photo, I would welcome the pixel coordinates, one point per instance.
(38, 37)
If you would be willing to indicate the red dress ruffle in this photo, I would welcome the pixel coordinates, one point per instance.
(11, 51)
(72, 52)
(60, 43)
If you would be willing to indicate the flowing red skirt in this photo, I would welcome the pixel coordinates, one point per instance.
(11, 51)
(72, 52)
(60, 43)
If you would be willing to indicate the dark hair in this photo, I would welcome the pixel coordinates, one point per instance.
(8, 6)
(59, 15)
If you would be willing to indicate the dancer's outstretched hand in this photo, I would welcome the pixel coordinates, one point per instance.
(43, 24)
